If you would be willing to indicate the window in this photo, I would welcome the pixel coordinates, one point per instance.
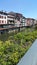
(5, 17)
(5, 21)
(2, 21)
(0, 16)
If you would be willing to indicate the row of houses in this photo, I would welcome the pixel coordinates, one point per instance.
(10, 19)
(20, 20)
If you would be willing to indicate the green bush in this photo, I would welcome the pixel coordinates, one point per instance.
(13, 47)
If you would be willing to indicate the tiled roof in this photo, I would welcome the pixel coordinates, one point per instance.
(30, 19)
(1, 12)
(12, 13)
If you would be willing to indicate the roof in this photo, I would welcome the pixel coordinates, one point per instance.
(12, 13)
(24, 17)
(19, 15)
(1, 12)
(30, 19)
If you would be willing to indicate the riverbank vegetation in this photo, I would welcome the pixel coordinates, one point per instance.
(14, 46)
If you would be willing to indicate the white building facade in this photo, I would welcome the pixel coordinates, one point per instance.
(3, 19)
